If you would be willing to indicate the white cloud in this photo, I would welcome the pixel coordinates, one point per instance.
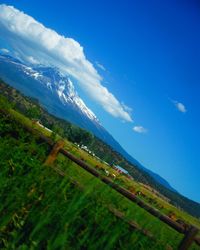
(180, 106)
(99, 65)
(4, 50)
(34, 42)
(128, 109)
(140, 129)
(32, 60)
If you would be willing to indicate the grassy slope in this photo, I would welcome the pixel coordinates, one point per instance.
(131, 185)
(41, 210)
(49, 192)
(31, 108)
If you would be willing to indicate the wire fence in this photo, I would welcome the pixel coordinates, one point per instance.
(190, 233)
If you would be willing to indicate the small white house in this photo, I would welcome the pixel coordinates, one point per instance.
(120, 170)
(42, 126)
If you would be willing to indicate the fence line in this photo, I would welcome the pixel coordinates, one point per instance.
(114, 211)
(189, 234)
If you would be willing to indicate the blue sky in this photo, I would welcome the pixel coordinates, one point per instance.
(150, 53)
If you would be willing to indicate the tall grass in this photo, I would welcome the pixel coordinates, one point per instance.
(41, 210)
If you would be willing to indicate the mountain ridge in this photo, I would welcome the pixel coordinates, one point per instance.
(57, 93)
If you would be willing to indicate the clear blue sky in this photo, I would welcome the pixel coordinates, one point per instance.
(151, 53)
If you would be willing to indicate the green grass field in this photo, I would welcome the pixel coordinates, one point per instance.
(121, 179)
(40, 209)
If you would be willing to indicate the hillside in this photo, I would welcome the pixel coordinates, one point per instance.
(32, 109)
(42, 210)
(57, 93)
(59, 206)
(67, 193)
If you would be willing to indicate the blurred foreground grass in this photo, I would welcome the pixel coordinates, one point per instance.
(41, 210)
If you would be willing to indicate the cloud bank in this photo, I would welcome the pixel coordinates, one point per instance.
(140, 129)
(34, 43)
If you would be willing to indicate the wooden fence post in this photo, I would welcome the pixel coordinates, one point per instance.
(54, 152)
(188, 239)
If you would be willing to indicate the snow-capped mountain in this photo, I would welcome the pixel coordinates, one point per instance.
(63, 86)
(57, 83)
(57, 94)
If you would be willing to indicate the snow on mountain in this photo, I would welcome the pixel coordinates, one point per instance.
(64, 88)
(58, 83)
(73, 97)
(57, 94)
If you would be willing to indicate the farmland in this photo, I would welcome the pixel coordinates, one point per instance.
(42, 209)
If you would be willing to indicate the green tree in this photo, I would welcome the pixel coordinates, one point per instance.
(34, 112)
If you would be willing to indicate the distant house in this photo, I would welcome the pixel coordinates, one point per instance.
(120, 170)
(35, 121)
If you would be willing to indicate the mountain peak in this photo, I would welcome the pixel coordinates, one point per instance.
(68, 94)
(58, 83)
